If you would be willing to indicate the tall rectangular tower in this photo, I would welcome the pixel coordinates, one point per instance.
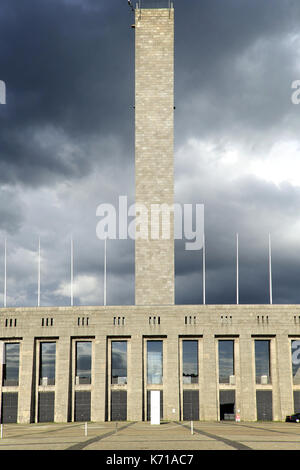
(154, 149)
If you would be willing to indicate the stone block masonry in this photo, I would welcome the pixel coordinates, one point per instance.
(154, 150)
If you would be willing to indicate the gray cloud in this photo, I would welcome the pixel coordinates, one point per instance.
(67, 144)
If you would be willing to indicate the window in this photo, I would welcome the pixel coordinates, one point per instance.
(119, 321)
(262, 361)
(190, 362)
(82, 404)
(119, 362)
(189, 320)
(47, 363)
(46, 401)
(10, 322)
(47, 322)
(12, 363)
(83, 362)
(154, 320)
(296, 361)
(154, 362)
(226, 360)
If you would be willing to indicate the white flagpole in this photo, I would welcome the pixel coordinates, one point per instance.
(72, 271)
(5, 274)
(270, 270)
(105, 274)
(2, 362)
(237, 270)
(39, 274)
(204, 270)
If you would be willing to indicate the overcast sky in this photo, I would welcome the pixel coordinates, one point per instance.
(67, 145)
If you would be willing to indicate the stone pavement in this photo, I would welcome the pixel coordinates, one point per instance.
(143, 436)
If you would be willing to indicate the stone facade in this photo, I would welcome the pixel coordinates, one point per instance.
(137, 325)
(154, 151)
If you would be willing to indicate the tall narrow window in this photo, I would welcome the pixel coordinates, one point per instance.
(190, 362)
(154, 362)
(83, 362)
(12, 364)
(296, 361)
(226, 360)
(47, 363)
(262, 361)
(119, 362)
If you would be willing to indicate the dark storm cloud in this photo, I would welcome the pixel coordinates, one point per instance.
(69, 67)
(227, 62)
(67, 137)
(68, 70)
(11, 214)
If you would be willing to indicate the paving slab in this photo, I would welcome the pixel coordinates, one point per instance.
(143, 436)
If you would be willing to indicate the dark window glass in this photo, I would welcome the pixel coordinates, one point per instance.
(47, 363)
(9, 408)
(226, 360)
(84, 362)
(155, 362)
(119, 405)
(190, 405)
(12, 363)
(296, 361)
(46, 407)
(119, 362)
(190, 361)
(264, 405)
(82, 406)
(262, 361)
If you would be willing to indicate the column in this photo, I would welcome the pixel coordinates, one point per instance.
(63, 380)
(26, 382)
(247, 398)
(99, 366)
(171, 378)
(135, 379)
(208, 382)
(285, 377)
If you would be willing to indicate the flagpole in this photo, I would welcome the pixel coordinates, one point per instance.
(72, 271)
(237, 270)
(39, 274)
(2, 362)
(5, 274)
(270, 270)
(204, 271)
(105, 273)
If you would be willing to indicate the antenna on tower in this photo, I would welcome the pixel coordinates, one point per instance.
(130, 5)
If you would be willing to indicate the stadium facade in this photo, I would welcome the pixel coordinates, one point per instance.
(210, 362)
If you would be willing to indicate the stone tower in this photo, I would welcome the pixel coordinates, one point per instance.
(154, 149)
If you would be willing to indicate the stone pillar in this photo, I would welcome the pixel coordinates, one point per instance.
(285, 377)
(135, 378)
(154, 154)
(171, 378)
(63, 380)
(26, 381)
(208, 385)
(247, 397)
(99, 379)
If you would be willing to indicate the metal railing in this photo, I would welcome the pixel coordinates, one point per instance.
(151, 4)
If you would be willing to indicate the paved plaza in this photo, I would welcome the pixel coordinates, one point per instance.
(143, 436)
